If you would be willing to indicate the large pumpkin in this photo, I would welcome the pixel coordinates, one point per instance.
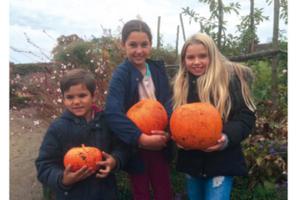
(148, 115)
(81, 156)
(196, 125)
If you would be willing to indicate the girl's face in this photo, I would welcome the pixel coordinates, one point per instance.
(137, 48)
(196, 59)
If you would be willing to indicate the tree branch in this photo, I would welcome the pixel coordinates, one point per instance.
(256, 55)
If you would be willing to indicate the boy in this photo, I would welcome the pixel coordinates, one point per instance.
(81, 123)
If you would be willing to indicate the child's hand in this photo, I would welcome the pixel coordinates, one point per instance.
(181, 147)
(222, 144)
(153, 142)
(160, 132)
(106, 165)
(70, 177)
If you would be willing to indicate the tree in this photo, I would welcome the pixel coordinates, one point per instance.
(275, 46)
(247, 28)
(216, 19)
(283, 9)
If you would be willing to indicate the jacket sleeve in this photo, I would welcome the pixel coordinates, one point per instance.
(241, 120)
(120, 151)
(49, 163)
(115, 109)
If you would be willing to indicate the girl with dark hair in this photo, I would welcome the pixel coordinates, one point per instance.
(137, 78)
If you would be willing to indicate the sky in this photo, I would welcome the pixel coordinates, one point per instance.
(34, 25)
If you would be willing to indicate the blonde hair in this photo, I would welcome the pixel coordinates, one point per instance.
(213, 85)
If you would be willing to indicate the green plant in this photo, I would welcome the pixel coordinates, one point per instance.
(267, 191)
(167, 54)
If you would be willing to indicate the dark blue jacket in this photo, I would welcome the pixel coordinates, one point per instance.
(230, 161)
(70, 131)
(123, 93)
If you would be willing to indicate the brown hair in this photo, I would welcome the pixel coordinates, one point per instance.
(75, 77)
(135, 25)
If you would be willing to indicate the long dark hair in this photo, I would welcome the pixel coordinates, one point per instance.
(135, 25)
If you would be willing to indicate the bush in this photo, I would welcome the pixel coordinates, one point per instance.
(168, 55)
(25, 69)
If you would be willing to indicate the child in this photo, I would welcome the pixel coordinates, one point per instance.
(205, 75)
(81, 123)
(137, 78)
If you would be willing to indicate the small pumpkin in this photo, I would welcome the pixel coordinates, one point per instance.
(196, 125)
(148, 115)
(81, 156)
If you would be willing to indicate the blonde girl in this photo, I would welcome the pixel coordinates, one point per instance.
(205, 75)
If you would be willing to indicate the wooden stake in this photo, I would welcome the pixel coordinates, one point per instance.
(158, 33)
(182, 26)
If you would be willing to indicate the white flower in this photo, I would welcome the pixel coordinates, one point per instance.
(36, 122)
(53, 116)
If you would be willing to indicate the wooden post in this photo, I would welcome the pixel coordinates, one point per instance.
(177, 39)
(252, 28)
(158, 33)
(220, 23)
(275, 58)
(182, 27)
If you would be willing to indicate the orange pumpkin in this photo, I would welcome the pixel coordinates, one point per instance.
(196, 125)
(148, 115)
(81, 156)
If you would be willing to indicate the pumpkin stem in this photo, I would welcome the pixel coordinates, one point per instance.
(83, 147)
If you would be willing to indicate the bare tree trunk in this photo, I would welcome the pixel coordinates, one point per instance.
(220, 19)
(182, 27)
(177, 39)
(275, 58)
(158, 33)
(252, 28)
(256, 55)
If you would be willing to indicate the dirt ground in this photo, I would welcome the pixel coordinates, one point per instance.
(26, 134)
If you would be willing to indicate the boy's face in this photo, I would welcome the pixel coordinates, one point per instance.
(78, 100)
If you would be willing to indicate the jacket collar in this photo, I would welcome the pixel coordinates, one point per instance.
(136, 75)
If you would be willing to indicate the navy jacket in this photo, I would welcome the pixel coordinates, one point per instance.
(123, 93)
(70, 131)
(230, 161)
